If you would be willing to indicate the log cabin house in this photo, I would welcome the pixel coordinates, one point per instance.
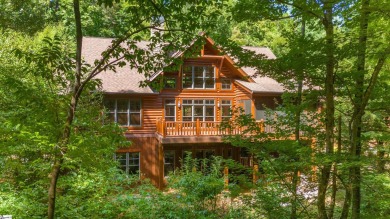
(185, 114)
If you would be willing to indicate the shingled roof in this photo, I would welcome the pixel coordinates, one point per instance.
(127, 80)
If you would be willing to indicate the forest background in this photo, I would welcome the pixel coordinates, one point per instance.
(332, 53)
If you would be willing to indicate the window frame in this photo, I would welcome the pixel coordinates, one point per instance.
(204, 77)
(224, 104)
(174, 109)
(222, 84)
(127, 162)
(195, 104)
(128, 111)
(166, 78)
(173, 162)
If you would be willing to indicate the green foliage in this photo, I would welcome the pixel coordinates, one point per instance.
(376, 200)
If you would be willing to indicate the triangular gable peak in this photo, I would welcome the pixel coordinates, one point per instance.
(208, 52)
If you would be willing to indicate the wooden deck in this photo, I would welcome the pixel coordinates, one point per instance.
(201, 128)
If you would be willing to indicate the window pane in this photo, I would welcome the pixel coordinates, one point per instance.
(209, 83)
(187, 81)
(135, 105)
(169, 110)
(198, 71)
(111, 117)
(198, 83)
(187, 111)
(109, 105)
(169, 162)
(133, 163)
(170, 83)
(122, 105)
(122, 119)
(225, 111)
(209, 72)
(135, 119)
(226, 84)
(209, 110)
(198, 110)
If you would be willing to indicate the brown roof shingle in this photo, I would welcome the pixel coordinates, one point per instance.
(127, 80)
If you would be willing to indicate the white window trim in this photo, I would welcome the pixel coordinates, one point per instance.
(165, 112)
(204, 77)
(115, 112)
(193, 109)
(127, 165)
(230, 86)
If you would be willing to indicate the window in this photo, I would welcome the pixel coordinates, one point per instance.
(263, 103)
(129, 162)
(169, 162)
(226, 109)
(198, 77)
(198, 109)
(125, 112)
(170, 110)
(226, 84)
(169, 82)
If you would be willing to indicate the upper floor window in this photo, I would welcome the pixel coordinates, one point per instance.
(226, 84)
(198, 109)
(198, 77)
(169, 82)
(125, 112)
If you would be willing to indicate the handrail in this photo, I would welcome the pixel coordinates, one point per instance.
(200, 128)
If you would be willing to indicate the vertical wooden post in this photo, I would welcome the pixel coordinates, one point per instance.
(226, 176)
(314, 167)
(163, 131)
(197, 127)
(261, 125)
(255, 173)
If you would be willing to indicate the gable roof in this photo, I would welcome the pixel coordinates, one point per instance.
(127, 80)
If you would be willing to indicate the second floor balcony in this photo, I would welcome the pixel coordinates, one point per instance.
(200, 131)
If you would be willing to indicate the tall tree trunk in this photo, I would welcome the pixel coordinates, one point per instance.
(381, 162)
(329, 109)
(334, 175)
(295, 178)
(63, 144)
(359, 107)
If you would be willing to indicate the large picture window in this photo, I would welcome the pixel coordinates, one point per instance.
(198, 77)
(125, 112)
(204, 110)
(129, 162)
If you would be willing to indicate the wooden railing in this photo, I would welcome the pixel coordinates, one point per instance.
(200, 128)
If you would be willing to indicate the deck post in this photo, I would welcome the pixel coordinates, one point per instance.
(255, 173)
(163, 131)
(226, 177)
(197, 127)
(261, 125)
